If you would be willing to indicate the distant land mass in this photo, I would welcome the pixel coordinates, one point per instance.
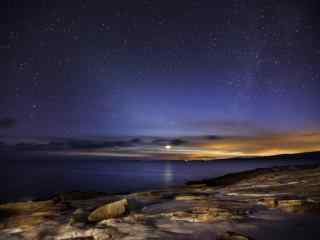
(294, 156)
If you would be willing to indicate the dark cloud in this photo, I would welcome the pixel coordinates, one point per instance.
(159, 141)
(178, 142)
(213, 137)
(88, 144)
(174, 142)
(72, 144)
(6, 123)
(136, 140)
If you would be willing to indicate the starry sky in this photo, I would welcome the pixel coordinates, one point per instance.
(228, 69)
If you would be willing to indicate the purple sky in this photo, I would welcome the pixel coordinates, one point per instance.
(99, 69)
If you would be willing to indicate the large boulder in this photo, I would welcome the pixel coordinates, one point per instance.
(110, 210)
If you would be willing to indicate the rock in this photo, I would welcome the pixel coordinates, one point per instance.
(269, 202)
(79, 216)
(133, 231)
(11, 237)
(296, 205)
(138, 217)
(12, 231)
(213, 214)
(71, 233)
(290, 203)
(234, 236)
(110, 210)
(201, 215)
(11, 234)
(135, 205)
(80, 238)
(189, 197)
(183, 216)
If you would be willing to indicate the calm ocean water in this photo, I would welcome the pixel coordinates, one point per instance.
(26, 176)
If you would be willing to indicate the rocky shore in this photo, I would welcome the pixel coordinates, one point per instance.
(276, 203)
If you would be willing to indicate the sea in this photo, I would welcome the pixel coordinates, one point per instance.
(28, 176)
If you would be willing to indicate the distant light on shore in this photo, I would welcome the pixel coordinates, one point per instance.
(168, 147)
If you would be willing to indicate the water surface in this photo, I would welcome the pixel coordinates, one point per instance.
(28, 176)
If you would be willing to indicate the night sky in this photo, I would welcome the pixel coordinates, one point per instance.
(230, 69)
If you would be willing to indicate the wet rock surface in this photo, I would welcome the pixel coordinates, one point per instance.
(276, 203)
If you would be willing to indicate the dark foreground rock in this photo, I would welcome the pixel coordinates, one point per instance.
(233, 236)
(277, 203)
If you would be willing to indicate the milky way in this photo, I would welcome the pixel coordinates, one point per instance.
(153, 68)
